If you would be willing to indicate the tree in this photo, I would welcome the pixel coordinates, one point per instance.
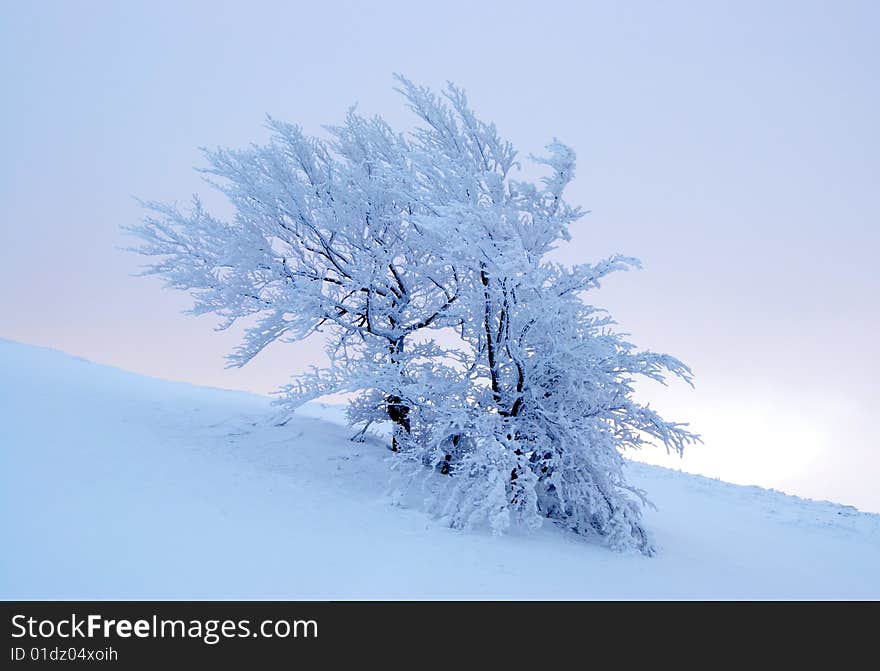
(548, 404)
(322, 239)
(384, 241)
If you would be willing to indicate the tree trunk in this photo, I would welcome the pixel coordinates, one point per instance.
(398, 411)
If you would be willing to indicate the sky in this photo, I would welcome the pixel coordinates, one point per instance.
(733, 147)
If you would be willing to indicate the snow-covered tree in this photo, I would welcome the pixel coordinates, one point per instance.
(549, 404)
(322, 240)
(383, 240)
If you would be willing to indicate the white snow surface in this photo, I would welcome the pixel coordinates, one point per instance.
(119, 486)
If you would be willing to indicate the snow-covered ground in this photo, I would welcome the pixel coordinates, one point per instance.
(114, 485)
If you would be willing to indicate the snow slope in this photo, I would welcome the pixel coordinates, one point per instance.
(114, 485)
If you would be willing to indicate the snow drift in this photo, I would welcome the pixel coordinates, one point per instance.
(114, 485)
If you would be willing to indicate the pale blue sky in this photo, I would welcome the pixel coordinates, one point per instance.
(733, 147)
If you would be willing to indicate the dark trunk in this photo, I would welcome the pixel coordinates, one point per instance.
(490, 342)
(398, 412)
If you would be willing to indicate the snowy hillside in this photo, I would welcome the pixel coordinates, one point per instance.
(114, 485)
